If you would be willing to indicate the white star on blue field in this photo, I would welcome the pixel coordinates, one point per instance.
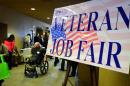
(57, 32)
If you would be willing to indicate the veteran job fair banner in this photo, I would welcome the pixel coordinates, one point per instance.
(95, 33)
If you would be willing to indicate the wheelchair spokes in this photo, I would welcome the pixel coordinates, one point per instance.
(30, 68)
(44, 67)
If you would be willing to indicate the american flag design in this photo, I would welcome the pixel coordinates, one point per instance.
(76, 36)
(122, 35)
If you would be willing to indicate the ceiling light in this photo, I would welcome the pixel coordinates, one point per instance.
(33, 9)
(48, 18)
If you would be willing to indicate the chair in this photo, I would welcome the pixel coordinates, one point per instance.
(38, 62)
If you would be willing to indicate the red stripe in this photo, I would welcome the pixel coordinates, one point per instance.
(89, 36)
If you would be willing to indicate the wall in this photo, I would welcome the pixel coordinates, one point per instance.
(105, 77)
(112, 78)
(87, 75)
(19, 24)
(84, 77)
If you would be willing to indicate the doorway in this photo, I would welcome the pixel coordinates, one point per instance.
(3, 31)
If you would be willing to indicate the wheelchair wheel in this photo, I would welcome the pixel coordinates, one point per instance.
(30, 71)
(26, 70)
(44, 67)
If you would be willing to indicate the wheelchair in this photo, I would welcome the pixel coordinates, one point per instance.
(36, 61)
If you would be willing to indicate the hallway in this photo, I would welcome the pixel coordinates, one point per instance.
(54, 77)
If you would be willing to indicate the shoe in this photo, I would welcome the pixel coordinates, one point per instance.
(72, 75)
(56, 62)
(51, 58)
(61, 69)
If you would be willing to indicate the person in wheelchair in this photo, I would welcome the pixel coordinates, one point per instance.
(37, 60)
(37, 53)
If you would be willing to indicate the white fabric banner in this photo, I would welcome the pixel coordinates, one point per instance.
(95, 33)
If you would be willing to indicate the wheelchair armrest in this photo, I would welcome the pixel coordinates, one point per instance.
(27, 59)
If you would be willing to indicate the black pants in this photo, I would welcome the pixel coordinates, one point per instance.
(74, 67)
(63, 64)
(9, 60)
(56, 61)
(1, 81)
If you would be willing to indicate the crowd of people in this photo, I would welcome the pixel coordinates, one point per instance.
(43, 40)
(8, 47)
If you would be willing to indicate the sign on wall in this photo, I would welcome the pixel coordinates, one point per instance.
(95, 33)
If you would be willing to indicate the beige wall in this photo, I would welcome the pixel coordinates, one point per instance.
(112, 78)
(19, 24)
(106, 77)
(84, 78)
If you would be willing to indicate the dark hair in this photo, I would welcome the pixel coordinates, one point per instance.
(29, 34)
(11, 38)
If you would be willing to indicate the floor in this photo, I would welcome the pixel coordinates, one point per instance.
(54, 77)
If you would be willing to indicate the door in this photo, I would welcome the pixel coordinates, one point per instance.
(3, 31)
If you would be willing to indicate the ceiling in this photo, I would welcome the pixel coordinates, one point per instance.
(44, 8)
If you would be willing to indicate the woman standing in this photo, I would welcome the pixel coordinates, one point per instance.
(10, 44)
